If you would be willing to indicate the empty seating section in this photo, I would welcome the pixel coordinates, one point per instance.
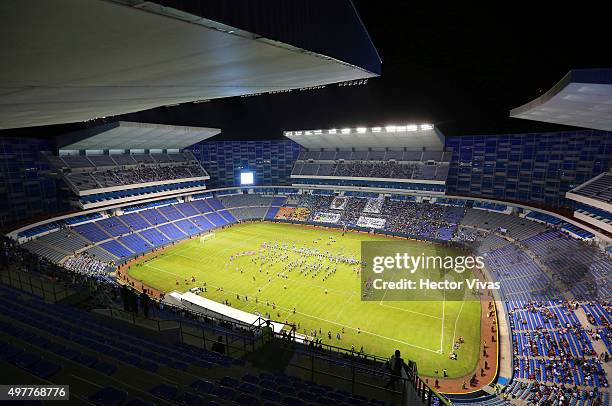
(113, 226)
(215, 204)
(271, 212)
(153, 216)
(101, 161)
(135, 243)
(359, 155)
(249, 213)
(201, 206)
(216, 219)
(82, 181)
(45, 251)
(187, 227)
(42, 339)
(600, 188)
(227, 215)
(77, 161)
(577, 231)
(171, 231)
(117, 249)
(161, 158)
(517, 227)
(124, 160)
(91, 231)
(202, 222)
(143, 158)
(175, 157)
(412, 156)
(278, 201)
(186, 209)
(245, 200)
(135, 221)
(154, 237)
(64, 240)
(170, 213)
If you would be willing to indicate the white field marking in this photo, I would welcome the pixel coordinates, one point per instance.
(322, 319)
(370, 333)
(411, 311)
(162, 256)
(456, 320)
(327, 321)
(342, 309)
(355, 329)
(442, 335)
(383, 298)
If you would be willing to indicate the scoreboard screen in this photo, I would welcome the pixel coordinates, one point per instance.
(246, 178)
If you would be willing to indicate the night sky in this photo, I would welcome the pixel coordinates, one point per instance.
(462, 70)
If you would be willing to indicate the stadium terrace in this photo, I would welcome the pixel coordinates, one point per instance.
(146, 263)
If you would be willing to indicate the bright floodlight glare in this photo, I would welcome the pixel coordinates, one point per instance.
(288, 132)
(246, 178)
(332, 131)
(361, 130)
(412, 127)
(298, 133)
(426, 127)
(376, 129)
(390, 128)
(307, 132)
(400, 129)
(346, 131)
(318, 132)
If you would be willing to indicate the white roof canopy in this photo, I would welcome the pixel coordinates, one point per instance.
(128, 135)
(410, 136)
(583, 98)
(76, 60)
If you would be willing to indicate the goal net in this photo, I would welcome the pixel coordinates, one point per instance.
(207, 237)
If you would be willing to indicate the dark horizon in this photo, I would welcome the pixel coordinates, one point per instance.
(456, 69)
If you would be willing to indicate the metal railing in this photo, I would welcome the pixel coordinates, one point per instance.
(195, 328)
(48, 290)
(359, 373)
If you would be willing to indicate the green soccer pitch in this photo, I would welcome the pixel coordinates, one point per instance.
(423, 330)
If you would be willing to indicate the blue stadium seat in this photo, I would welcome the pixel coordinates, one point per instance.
(108, 396)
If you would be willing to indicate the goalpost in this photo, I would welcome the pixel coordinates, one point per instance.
(207, 237)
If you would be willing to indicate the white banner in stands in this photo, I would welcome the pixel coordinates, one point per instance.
(338, 203)
(323, 217)
(371, 222)
(374, 205)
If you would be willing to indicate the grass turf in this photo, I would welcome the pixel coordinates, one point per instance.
(423, 330)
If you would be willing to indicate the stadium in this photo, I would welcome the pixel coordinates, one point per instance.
(150, 258)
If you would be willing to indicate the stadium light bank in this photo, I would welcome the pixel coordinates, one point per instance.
(391, 129)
